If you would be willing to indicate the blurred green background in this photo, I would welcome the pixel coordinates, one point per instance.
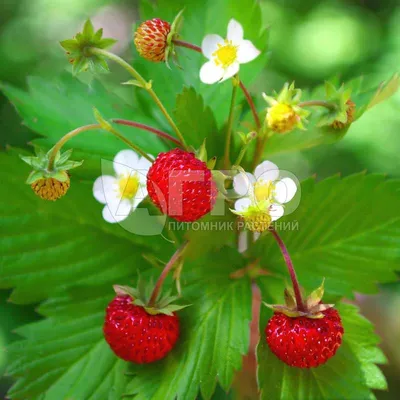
(311, 40)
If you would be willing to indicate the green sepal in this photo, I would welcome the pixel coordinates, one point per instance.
(173, 34)
(316, 296)
(201, 154)
(77, 50)
(34, 176)
(219, 179)
(211, 162)
(148, 85)
(61, 176)
(337, 98)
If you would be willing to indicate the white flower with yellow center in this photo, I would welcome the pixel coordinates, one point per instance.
(263, 196)
(122, 193)
(226, 55)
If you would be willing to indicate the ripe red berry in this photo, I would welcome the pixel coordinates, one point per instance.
(135, 335)
(304, 342)
(151, 39)
(181, 185)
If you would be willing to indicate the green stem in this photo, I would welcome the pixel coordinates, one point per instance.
(318, 103)
(57, 147)
(144, 84)
(177, 255)
(292, 272)
(112, 130)
(228, 137)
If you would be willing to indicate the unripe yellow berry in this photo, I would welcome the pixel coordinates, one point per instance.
(259, 222)
(50, 188)
(282, 118)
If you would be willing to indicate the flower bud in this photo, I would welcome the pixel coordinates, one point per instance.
(151, 39)
(50, 188)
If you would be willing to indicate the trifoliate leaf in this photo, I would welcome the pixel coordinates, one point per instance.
(336, 233)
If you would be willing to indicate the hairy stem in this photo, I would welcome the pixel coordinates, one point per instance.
(259, 150)
(144, 84)
(292, 272)
(318, 103)
(144, 127)
(57, 147)
(246, 93)
(228, 137)
(177, 255)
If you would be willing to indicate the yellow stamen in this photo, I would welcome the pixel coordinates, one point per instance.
(128, 186)
(263, 190)
(226, 54)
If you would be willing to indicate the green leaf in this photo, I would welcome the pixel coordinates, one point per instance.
(52, 109)
(350, 375)
(197, 122)
(214, 334)
(345, 230)
(48, 247)
(66, 349)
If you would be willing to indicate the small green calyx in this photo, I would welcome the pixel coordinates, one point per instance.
(313, 306)
(342, 112)
(40, 165)
(78, 50)
(141, 297)
(173, 34)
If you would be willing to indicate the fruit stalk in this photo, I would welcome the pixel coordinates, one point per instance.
(176, 256)
(144, 127)
(228, 136)
(318, 103)
(246, 93)
(57, 147)
(292, 272)
(145, 85)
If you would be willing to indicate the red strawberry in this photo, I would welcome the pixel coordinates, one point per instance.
(181, 185)
(137, 336)
(151, 39)
(304, 342)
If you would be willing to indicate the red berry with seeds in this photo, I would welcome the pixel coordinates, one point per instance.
(137, 336)
(151, 39)
(181, 185)
(305, 342)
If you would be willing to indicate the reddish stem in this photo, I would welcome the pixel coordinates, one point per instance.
(191, 46)
(292, 272)
(249, 99)
(177, 255)
(147, 128)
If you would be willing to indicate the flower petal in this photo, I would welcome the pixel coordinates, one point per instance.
(117, 211)
(247, 52)
(232, 70)
(211, 73)
(285, 189)
(242, 183)
(143, 167)
(276, 211)
(235, 31)
(210, 45)
(267, 171)
(242, 204)
(125, 161)
(102, 186)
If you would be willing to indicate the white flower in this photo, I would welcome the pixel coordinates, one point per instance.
(263, 191)
(122, 193)
(226, 55)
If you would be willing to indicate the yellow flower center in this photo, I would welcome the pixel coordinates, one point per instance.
(128, 186)
(263, 190)
(226, 54)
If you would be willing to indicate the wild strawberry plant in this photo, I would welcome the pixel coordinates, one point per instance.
(189, 203)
